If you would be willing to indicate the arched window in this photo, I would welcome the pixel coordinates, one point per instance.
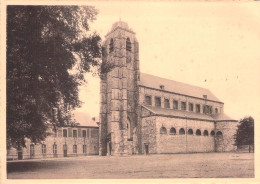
(163, 130)
(173, 131)
(198, 132)
(128, 44)
(181, 131)
(206, 133)
(219, 134)
(190, 132)
(212, 133)
(111, 45)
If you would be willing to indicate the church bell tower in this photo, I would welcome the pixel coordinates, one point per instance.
(119, 110)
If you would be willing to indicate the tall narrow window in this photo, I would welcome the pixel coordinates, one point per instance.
(191, 107)
(84, 133)
(44, 149)
(111, 46)
(148, 100)
(74, 133)
(65, 133)
(75, 148)
(175, 104)
(84, 148)
(198, 108)
(128, 45)
(166, 103)
(54, 149)
(157, 101)
(216, 110)
(183, 105)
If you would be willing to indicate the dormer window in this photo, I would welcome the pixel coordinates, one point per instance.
(205, 96)
(162, 87)
(128, 45)
(111, 45)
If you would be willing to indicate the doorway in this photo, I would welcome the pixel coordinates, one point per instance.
(65, 150)
(146, 149)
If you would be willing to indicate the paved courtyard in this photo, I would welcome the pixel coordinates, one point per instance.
(200, 165)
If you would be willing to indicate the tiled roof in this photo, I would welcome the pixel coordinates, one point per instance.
(186, 114)
(155, 82)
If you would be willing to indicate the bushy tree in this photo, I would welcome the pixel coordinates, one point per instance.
(245, 132)
(49, 48)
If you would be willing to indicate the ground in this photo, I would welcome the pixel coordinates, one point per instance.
(199, 165)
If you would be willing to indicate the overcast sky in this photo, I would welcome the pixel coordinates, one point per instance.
(211, 45)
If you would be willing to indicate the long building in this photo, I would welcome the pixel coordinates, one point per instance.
(65, 142)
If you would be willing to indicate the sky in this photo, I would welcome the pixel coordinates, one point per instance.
(207, 44)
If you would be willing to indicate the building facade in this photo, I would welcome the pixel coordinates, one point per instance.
(141, 113)
(65, 142)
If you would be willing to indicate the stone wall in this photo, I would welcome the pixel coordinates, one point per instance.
(176, 143)
(226, 141)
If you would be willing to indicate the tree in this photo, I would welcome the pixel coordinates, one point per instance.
(245, 132)
(49, 48)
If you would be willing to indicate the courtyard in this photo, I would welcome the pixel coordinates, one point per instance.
(197, 165)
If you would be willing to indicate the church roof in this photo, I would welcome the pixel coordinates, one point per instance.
(155, 82)
(186, 114)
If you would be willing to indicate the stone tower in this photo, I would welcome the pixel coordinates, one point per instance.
(119, 109)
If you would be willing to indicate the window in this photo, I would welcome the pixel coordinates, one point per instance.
(216, 110)
(181, 131)
(206, 133)
(190, 132)
(74, 133)
(162, 87)
(190, 107)
(204, 109)
(210, 109)
(175, 104)
(128, 44)
(74, 148)
(212, 133)
(207, 109)
(219, 134)
(183, 105)
(205, 96)
(163, 130)
(157, 101)
(44, 149)
(173, 131)
(111, 46)
(166, 103)
(84, 148)
(54, 149)
(148, 100)
(65, 133)
(84, 133)
(198, 108)
(198, 132)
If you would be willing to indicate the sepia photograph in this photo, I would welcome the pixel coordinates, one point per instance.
(130, 90)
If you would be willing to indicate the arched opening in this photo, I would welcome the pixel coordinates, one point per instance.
(173, 131)
(163, 130)
(212, 133)
(128, 45)
(111, 45)
(190, 132)
(206, 133)
(219, 134)
(198, 132)
(181, 131)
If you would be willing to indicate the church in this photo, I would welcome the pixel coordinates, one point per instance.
(146, 114)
